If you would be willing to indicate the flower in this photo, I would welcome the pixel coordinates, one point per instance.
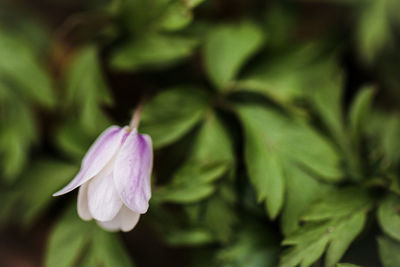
(114, 179)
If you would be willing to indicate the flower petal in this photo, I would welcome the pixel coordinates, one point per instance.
(83, 208)
(103, 198)
(125, 220)
(132, 171)
(112, 225)
(99, 154)
(128, 218)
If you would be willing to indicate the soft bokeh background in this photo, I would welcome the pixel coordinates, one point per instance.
(275, 125)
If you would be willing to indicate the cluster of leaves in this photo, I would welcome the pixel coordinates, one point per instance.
(265, 155)
(24, 84)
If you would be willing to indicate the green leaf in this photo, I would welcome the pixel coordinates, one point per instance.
(213, 149)
(177, 16)
(191, 184)
(184, 194)
(13, 150)
(67, 241)
(346, 265)
(108, 250)
(219, 215)
(24, 83)
(227, 48)
(255, 245)
(273, 140)
(389, 217)
(333, 231)
(44, 175)
(383, 132)
(360, 111)
(315, 239)
(326, 99)
(390, 141)
(152, 51)
(166, 123)
(220, 218)
(25, 24)
(17, 132)
(193, 3)
(336, 204)
(310, 245)
(343, 238)
(373, 29)
(286, 75)
(301, 190)
(72, 140)
(190, 237)
(292, 140)
(200, 173)
(211, 159)
(87, 90)
(21, 66)
(266, 173)
(140, 17)
(389, 252)
(213, 142)
(74, 242)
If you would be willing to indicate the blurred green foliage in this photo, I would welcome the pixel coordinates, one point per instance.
(77, 243)
(275, 126)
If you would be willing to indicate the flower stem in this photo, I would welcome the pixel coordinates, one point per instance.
(134, 123)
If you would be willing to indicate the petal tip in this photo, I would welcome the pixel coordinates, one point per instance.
(58, 193)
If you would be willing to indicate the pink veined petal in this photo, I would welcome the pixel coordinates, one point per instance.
(132, 171)
(103, 198)
(99, 154)
(83, 205)
(149, 162)
(125, 220)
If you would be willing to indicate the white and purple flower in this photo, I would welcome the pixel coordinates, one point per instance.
(114, 179)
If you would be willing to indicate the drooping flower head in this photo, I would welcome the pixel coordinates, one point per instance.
(114, 179)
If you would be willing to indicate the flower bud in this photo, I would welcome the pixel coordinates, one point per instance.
(114, 179)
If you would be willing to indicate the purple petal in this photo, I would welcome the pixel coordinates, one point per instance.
(99, 154)
(125, 220)
(103, 198)
(83, 208)
(132, 171)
